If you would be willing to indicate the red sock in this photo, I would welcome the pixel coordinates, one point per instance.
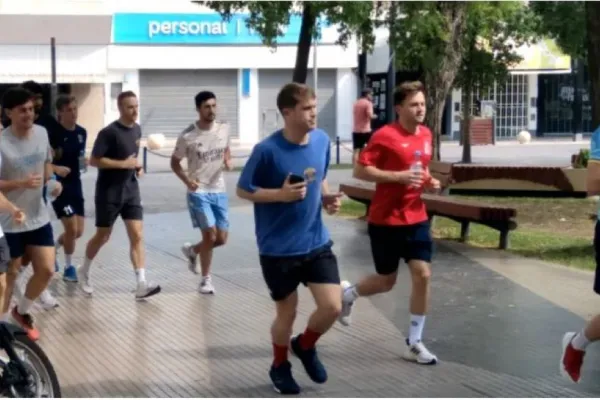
(308, 339)
(280, 354)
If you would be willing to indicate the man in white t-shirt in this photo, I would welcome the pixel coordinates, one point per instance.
(205, 144)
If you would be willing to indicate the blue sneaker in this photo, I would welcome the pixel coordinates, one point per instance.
(313, 366)
(70, 274)
(283, 381)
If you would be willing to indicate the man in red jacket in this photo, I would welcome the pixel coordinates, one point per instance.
(397, 158)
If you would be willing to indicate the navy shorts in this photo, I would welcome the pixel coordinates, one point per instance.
(284, 274)
(391, 244)
(18, 241)
(67, 205)
(597, 251)
(107, 213)
(4, 255)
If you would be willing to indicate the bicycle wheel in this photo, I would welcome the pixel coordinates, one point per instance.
(43, 379)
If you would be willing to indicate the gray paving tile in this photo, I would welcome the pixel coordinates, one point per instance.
(494, 338)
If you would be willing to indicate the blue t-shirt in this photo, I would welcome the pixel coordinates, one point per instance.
(296, 228)
(595, 153)
(68, 146)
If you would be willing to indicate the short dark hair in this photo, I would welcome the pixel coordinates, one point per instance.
(33, 87)
(291, 94)
(203, 96)
(407, 89)
(15, 97)
(365, 92)
(64, 100)
(125, 95)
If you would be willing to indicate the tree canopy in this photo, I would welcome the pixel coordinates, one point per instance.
(269, 18)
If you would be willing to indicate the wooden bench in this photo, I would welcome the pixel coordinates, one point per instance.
(465, 212)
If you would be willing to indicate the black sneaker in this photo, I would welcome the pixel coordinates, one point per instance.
(283, 381)
(313, 366)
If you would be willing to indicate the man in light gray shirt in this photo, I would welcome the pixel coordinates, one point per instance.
(26, 166)
(205, 144)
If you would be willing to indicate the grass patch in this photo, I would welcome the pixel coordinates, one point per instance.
(555, 230)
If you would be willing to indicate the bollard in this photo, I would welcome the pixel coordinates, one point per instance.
(145, 159)
(337, 149)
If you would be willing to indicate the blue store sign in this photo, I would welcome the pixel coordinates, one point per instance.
(192, 29)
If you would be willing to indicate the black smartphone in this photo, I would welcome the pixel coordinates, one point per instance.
(296, 179)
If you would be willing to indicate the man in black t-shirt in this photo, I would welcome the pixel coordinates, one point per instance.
(118, 193)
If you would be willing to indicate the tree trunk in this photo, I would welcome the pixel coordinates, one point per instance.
(592, 12)
(439, 79)
(304, 42)
(465, 125)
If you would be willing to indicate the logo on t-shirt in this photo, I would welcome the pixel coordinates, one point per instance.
(310, 174)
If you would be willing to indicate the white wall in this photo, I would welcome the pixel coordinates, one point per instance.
(346, 95)
(249, 124)
(74, 63)
(378, 60)
(224, 57)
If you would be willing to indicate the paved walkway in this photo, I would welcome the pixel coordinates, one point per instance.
(495, 335)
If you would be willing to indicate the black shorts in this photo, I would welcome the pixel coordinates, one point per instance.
(4, 255)
(597, 250)
(67, 205)
(391, 244)
(18, 241)
(107, 212)
(360, 140)
(284, 274)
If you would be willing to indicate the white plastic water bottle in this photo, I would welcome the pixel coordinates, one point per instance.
(50, 186)
(416, 166)
(82, 163)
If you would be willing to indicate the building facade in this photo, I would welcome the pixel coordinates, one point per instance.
(537, 96)
(166, 53)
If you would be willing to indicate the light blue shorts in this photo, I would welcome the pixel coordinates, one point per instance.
(208, 210)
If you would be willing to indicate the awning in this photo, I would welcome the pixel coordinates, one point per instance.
(20, 29)
(16, 78)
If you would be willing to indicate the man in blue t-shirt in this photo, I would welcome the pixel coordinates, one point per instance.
(285, 178)
(68, 143)
(574, 344)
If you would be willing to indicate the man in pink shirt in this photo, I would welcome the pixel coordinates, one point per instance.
(363, 114)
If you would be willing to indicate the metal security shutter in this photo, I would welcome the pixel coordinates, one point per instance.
(271, 81)
(167, 98)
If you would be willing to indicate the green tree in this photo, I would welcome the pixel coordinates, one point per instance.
(268, 19)
(494, 32)
(429, 36)
(575, 25)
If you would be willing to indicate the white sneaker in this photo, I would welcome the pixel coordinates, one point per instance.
(418, 353)
(145, 290)
(192, 257)
(345, 318)
(206, 286)
(48, 301)
(85, 281)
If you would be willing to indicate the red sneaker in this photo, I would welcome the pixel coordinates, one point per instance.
(572, 359)
(26, 322)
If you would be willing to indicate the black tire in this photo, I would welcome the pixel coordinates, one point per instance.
(23, 341)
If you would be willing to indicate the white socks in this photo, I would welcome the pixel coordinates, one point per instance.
(68, 258)
(417, 323)
(350, 294)
(140, 275)
(580, 342)
(87, 263)
(24, 305)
